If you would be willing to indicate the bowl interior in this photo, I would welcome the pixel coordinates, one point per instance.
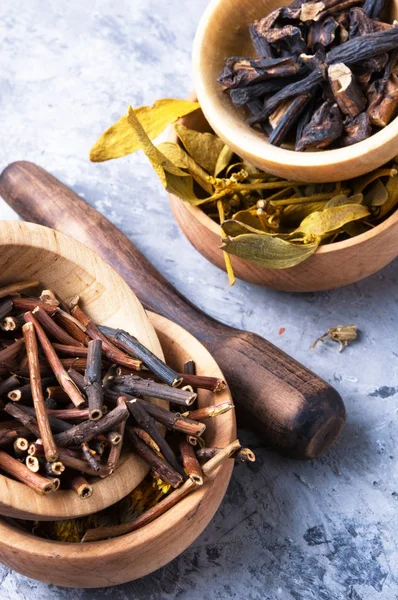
(223, 32)
(66, 266)
(136, 554)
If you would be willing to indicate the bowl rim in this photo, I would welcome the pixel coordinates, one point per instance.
(253, 142)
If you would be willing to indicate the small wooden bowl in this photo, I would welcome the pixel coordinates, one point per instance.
(331, 266)
(66, 266)
(223, 32)
(110, 562)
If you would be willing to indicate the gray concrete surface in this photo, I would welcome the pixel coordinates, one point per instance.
(321, 530)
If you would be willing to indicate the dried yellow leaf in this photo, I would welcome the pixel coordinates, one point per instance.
(331, 219)
(204, 148)
(181, 159)
(120, 139)
(269, 251)
(175, 180)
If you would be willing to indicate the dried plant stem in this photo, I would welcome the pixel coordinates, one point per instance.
(214, 384)
(115, 451)
(89, 457)
(93, 380)
(80, 465)
(27, 420)
(78, 484)
(32, 463)
(102, 533)
(145, 437)
(12, 323)
(209, 411)
(14, 288)
(53, 469)
(136, 386)
(77, 378)
(55, 424)
(113, 437)
(6, 307)
(21, 446)
(190, 367)
(148, 423)
(8, 384)
(158, 464)
(133, 347)
(72, 326)
(241, 455)
(88, 430)
(49, 297)
(191, 463)
(13, 467)
(173, 420)
(53, 329)
(227, 258)
(207, 452)
(113, 353)
(8, 436)
(74, 351)
(24, 392)
(26, 304)
(245, 455)
(9, 355)
(69, 414)
(46, 435)
(62, 376)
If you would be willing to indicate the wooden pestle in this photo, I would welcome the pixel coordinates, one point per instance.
(296, 411)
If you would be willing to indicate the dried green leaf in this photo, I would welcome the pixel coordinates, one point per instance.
(342, 200)
(204, 148)
(355, 228)
(362, 182)
(223, 160)
(331, 219)
(376, 194)
(175, 180)
(120, 139)
(295, 213)
(246, 216)
(181, 159)
(269, 251)
(392, 201)
(233, 228)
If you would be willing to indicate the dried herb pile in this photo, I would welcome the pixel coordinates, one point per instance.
(324, 75)
(265, 220)
(74, 394)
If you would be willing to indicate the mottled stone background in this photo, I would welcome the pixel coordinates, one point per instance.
(322, 530)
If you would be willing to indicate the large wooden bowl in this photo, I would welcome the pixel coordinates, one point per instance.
(223, 32)
(134, 555)
(331, 266)
(66, 266)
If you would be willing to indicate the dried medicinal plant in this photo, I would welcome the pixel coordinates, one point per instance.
(324, 75)
(264, 219)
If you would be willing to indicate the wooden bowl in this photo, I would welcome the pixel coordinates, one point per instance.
(110, 562)
(66, 266)
(223, 32)
(331, 266)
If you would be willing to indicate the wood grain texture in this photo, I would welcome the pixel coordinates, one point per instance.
(222, 32)
(331, 266)
(69, 268)
(294, 409)
(105, 563)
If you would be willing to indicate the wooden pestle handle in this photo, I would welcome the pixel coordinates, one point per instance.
(296, 411)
